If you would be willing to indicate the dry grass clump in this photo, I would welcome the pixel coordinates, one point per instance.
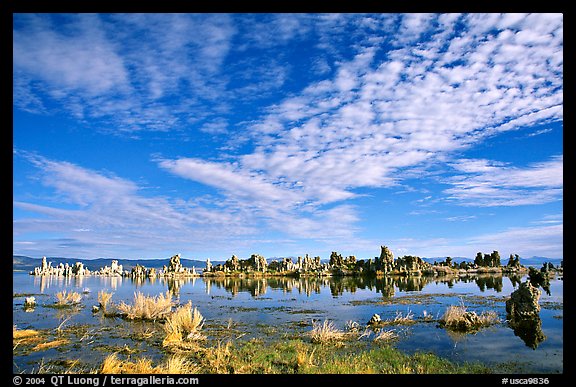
(352, 326)
(457, 318)
(183, 325)
(217, 359)
(65, 298)
(400, 319)
(147, 307)
(385, 336)
(31, 336)
(104, 298)
(23, 333)
(325, 332)
(24, 336)
(173, 365)
(50, 344)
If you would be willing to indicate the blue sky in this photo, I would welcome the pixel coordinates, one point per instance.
(147, 135)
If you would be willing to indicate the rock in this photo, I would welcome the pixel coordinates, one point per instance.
(138, 271)
(29, 302)
(375, 319)
(523, 302)
(539, 278)
(175, 266)
(470, 320)
(95, 309)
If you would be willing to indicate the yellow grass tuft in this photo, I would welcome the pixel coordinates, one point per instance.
(305, 359)
(50, 344)
(24, 333)
(384, 335)
(400, 319)
(217, 358)
(178, 365)
(183, 325)
(325, 332)
(457, 318)
(111, 365)
(147, 307)
(173, 365)
(64, 298)
(25, 336)
(104, 298)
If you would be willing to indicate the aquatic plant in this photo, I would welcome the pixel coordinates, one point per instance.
(147, 307)
(65, 298)
(302, 357)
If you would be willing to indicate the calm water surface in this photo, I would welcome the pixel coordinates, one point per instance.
(274, 307)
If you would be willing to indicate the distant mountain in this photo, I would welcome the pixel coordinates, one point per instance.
(24, 263)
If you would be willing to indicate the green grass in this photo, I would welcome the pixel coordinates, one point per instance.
(303, 357)
(298, 355)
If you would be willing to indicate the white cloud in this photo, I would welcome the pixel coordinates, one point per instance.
(118, 67)
(524, 241)
(374, 123)
(377, 118)
(120, 217)
(539, 132)
(401, 118)
(228, 178)
(488, 184)
(86, 61)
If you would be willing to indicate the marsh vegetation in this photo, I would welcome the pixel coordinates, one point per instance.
(286, 326)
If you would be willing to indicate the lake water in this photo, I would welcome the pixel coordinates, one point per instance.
(273, 307)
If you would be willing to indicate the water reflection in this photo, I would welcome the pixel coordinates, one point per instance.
(175, 284)
(386, 286)
(490, 282)
(58, 282)
(529, 330)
